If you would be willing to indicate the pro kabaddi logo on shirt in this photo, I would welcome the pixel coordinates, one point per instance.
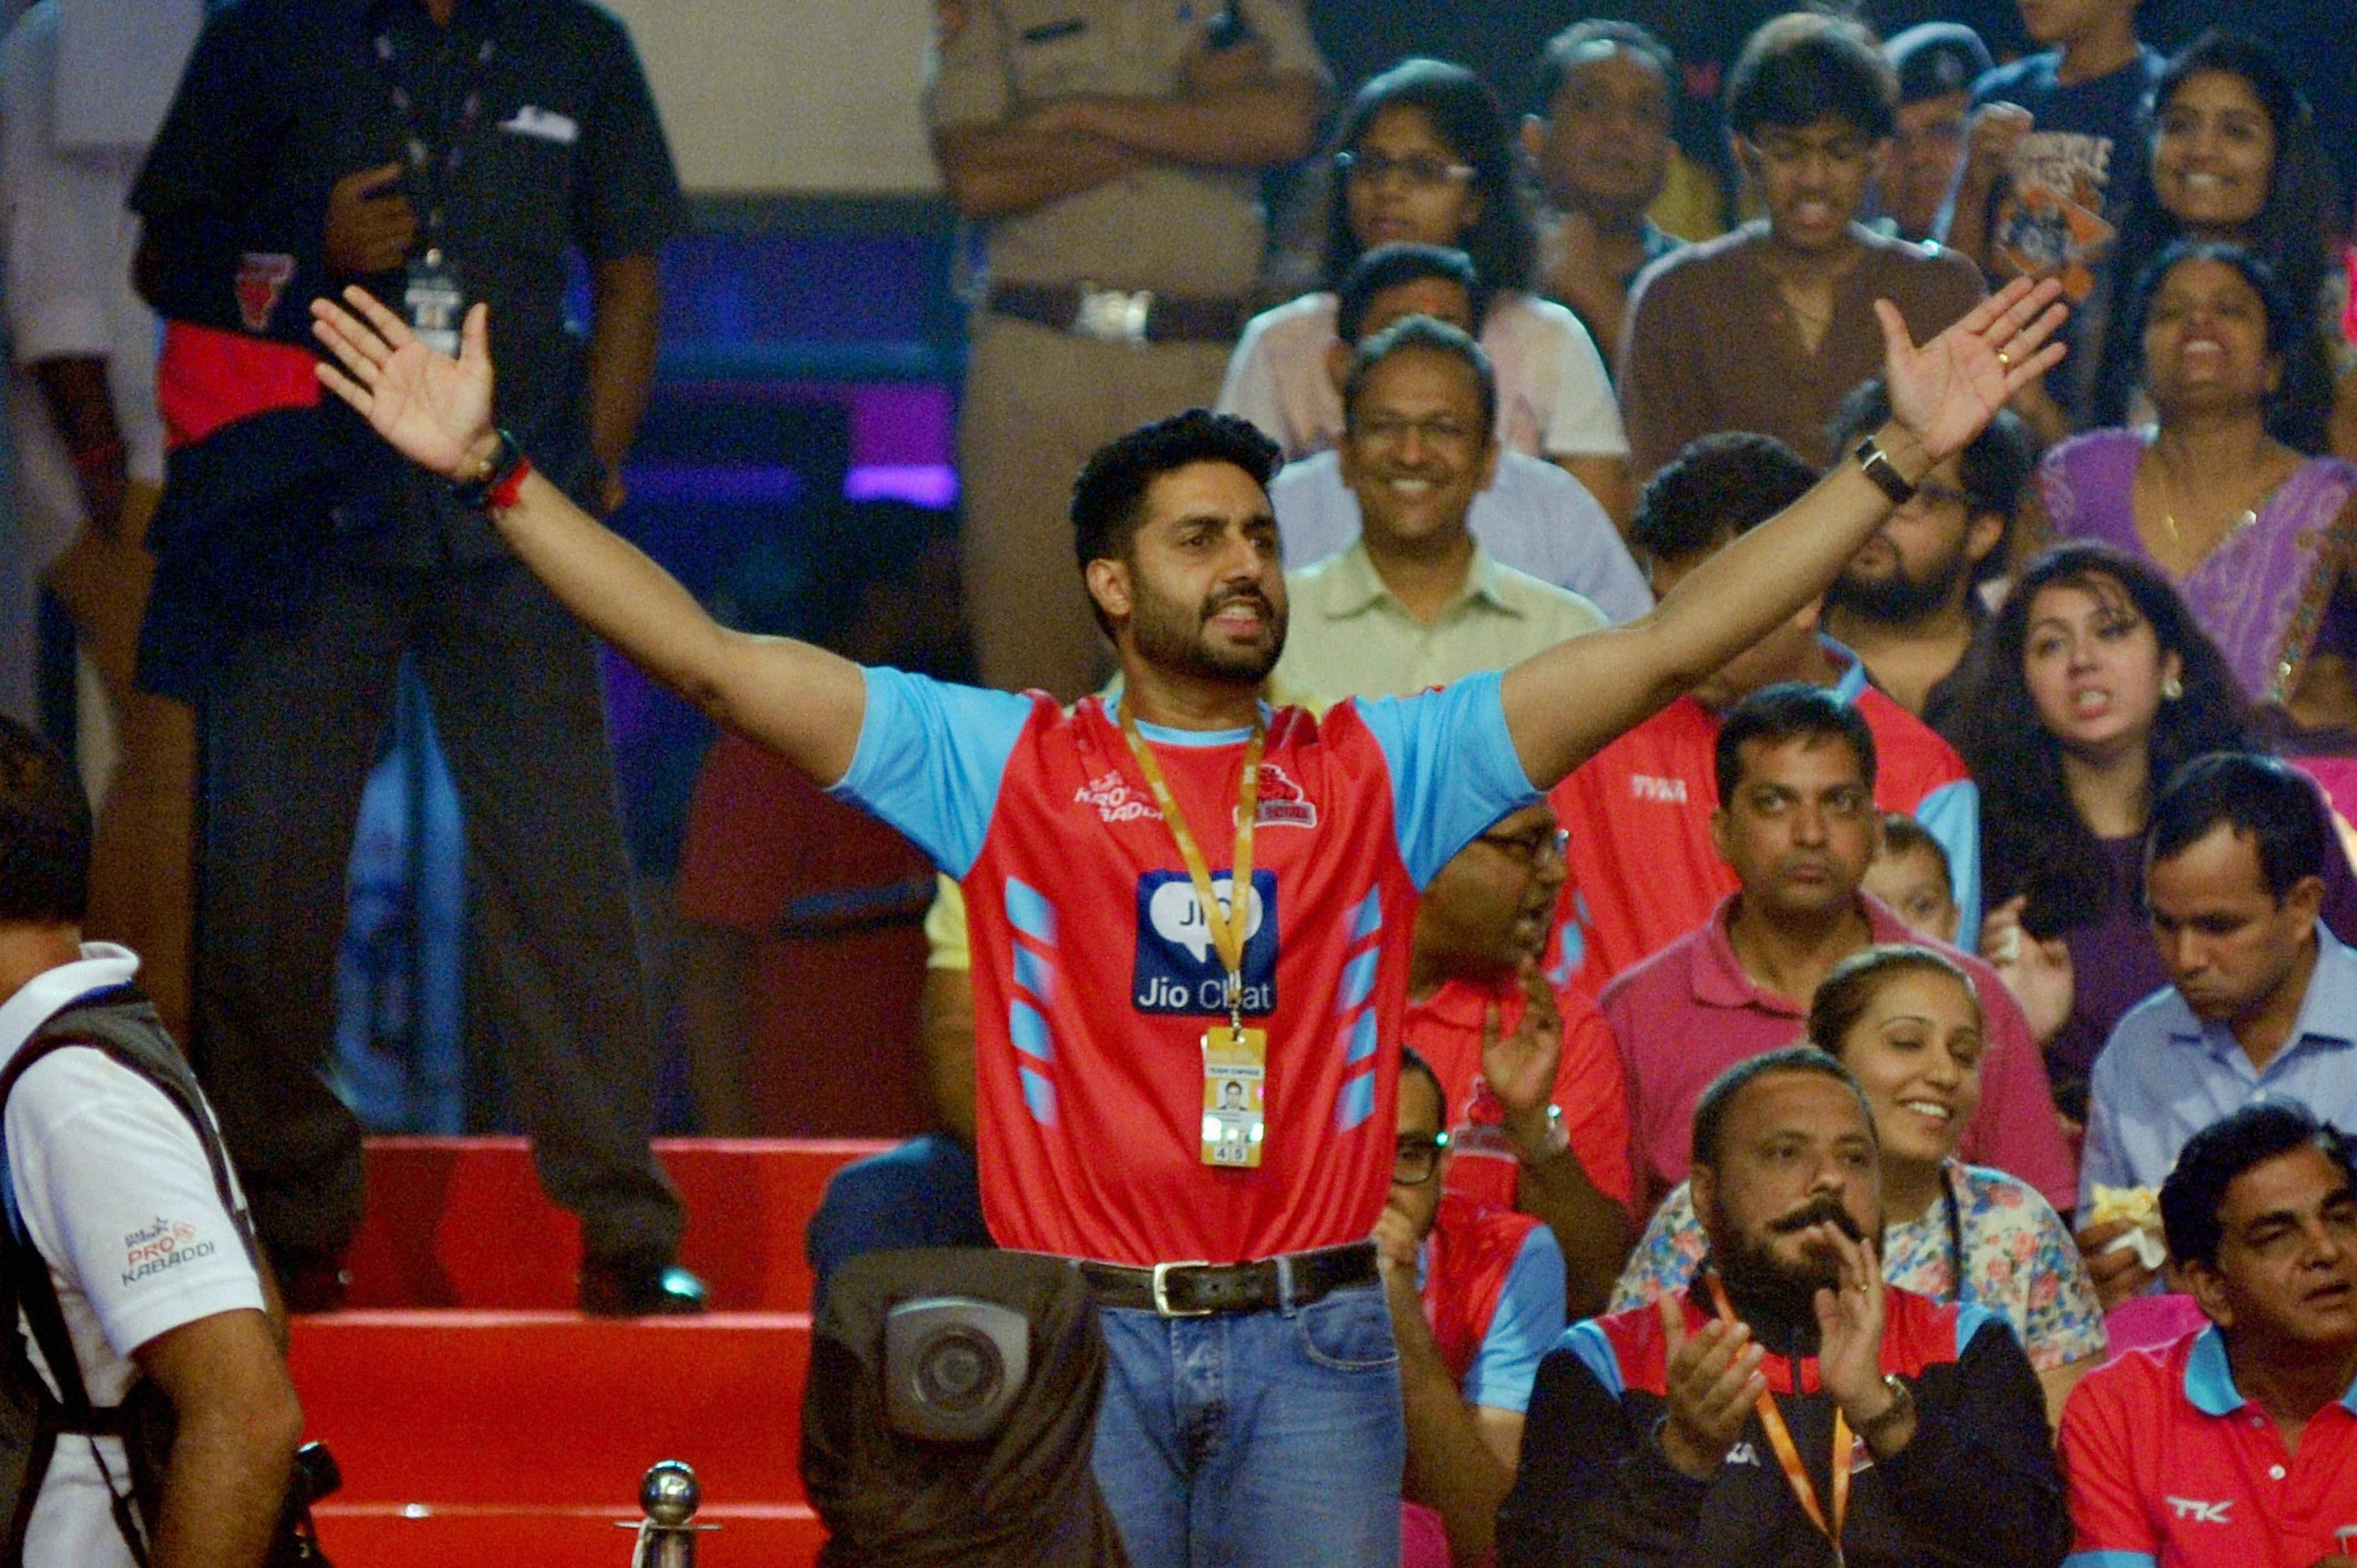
(166, 1244)
(1115, 801)
(1179, 969)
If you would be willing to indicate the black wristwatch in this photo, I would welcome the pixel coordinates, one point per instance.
(1875, 465)
(506, 458)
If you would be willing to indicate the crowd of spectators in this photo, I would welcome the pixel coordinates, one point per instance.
(1811, 831)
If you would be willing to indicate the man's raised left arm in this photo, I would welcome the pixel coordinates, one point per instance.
(1565, 703)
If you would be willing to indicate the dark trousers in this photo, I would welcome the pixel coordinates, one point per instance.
(292, 722)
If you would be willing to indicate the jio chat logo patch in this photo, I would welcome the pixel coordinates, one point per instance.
(1179, 968)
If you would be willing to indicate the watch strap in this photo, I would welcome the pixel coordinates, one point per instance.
(1875, 465)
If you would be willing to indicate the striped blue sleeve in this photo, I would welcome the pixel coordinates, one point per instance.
(1951, 815)
(1525, 1326)
(1586, 1340)
(929, 761)
(1453, 765)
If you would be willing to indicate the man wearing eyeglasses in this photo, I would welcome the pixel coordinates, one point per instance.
(1416, 601)
(1767, 328)
(1476, 1295)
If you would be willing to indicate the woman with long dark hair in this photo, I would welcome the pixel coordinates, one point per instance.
(1425, 155)
(2230, 156)
(2080, 697)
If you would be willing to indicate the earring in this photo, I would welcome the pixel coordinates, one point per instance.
(2171, 688)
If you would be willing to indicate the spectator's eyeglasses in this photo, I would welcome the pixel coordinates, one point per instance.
(1414, 1159)
(1928, 496)
(1532, 848)
(1422, 172)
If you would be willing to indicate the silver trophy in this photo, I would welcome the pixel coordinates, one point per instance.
(668, 1496)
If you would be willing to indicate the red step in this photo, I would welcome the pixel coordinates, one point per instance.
(386, 1535)
(480, 1410)
(462, 1222)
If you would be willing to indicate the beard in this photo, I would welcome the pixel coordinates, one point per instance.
(1171, 638)
(1773, 1293)
(1898, 599)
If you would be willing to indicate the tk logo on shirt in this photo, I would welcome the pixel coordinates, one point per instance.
(1669, 791)
(2198, 1512)
(1177, 969)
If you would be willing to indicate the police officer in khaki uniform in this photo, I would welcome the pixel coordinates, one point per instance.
(1114, 147)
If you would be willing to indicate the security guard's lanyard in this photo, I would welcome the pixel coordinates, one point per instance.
(1229, 927)
(437, 181)
(1779, 1438)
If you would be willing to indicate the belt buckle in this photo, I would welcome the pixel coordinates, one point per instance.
(1162, 1308)
(1112, 315)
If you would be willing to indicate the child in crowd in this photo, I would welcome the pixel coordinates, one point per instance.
(1909, 874)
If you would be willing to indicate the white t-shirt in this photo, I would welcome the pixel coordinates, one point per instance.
(1553, 398)
(117, 1194)
(1534, 517)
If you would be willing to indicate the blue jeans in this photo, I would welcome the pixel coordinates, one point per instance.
(1265, 1439)
(922, 1192)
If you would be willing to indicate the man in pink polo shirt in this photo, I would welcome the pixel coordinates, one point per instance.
(1796, 822)
(2236, 1446)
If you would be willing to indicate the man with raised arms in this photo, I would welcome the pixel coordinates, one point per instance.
(1252, 1412)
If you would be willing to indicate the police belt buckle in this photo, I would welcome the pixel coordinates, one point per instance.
(1112, 315)
(1162, 1308)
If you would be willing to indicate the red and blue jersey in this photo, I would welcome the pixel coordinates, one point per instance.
(1494, 1293)
(1095, 974)
(2171, 1466)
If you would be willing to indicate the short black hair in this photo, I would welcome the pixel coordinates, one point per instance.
(1994, 467)
(1711, 1111)
(1415, 332)
(1412, 1061)
(1789, 710)
(1902, 835)
(1563, 54)
(44, 830)
(2236, 1143)
(2270, 801)
(1113, 484)
(1717, 488)
(1389, 266)
(1805, 65)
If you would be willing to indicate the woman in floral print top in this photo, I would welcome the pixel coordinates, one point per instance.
(1907, 1024)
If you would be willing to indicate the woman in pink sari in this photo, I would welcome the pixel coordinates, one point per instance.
(2255, 534)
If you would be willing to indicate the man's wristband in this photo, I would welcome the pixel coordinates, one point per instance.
(501, 482)
(1875, 465)
(1901, 1406)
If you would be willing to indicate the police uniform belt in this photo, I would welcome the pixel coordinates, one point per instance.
(1121, 316)
(1199, 1290)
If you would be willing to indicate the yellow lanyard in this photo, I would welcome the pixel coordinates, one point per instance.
(1229, 928)
(1779, 1438)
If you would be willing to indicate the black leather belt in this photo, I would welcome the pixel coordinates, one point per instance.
(1199, 1290)
(1121, 316)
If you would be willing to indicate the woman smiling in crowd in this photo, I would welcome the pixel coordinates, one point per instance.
(1907, 1024)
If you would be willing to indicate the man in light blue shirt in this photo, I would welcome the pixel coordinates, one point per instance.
(2263, 1000)
(1529, 514)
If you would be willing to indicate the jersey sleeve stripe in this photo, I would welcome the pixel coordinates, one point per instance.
(1586, 1341)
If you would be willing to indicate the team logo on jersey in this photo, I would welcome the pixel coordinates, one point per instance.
(1283, 803)
(1177, 969)
(262, 277)
(1115, 801)
(1669, 791)
(2199, 1512)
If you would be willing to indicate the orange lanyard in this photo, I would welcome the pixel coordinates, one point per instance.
(1229, 928)
(1779, 1438)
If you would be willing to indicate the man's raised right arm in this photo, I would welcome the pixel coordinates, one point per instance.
(802, 702)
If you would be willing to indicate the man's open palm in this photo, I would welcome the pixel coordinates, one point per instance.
(434, 410)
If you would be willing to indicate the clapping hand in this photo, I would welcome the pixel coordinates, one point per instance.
(2037, 971)
(1713, 1382)
(1850, 1318)
(434, 410)
(1520, 1067)
(1946, 392)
